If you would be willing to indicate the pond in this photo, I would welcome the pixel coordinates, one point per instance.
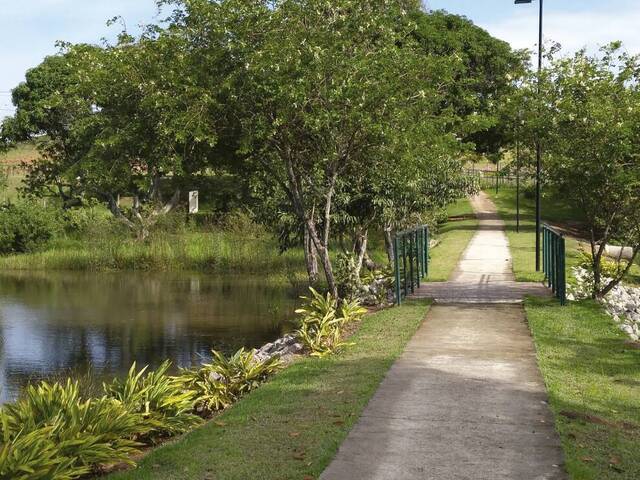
(59, 324)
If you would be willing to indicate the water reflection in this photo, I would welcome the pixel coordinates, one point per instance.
(58, 322)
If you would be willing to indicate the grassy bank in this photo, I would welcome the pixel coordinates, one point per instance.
(291, 427)
(523, 244)
(593, 380)
(193, 251)
(454, 237)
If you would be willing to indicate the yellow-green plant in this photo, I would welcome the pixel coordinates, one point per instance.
(220, 383)
(321, 322)
(166, 406)
(35, 456)
(51, 432)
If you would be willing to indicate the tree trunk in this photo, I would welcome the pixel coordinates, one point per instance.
(360, 249)
(323, 253)
(310, 257)
(388, 244)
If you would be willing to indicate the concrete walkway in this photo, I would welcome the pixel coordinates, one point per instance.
(465, 400)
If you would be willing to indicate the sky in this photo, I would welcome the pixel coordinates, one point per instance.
(29, 29)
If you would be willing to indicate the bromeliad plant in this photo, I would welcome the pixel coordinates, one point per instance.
(322, 322)
(223, 381)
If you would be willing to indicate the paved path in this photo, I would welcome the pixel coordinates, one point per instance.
(485, 272)
(465, 400)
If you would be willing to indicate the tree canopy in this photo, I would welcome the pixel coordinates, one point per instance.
(339, 116)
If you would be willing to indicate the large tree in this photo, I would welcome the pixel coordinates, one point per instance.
(591, 106)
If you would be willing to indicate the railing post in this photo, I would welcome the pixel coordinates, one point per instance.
(396, 261)
(404, 264)
(426, 252)
(416, 233)
(411, 285)
(563, 273)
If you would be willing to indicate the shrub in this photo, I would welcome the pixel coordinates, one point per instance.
(608, 268)
(223, 381)
(51, 432)
(164, 404)
(89, 221)
(321, 322)
(346, 276)
(27, 227)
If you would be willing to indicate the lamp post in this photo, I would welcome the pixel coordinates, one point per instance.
(538, 146)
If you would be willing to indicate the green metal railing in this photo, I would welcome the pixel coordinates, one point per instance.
(553, 256)
(411, 260)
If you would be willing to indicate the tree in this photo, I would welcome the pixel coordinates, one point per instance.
(333, 91)
(484, 77)
(123, 119)
(591, 104)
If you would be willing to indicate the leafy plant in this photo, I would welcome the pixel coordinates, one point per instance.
(347, 277)
(165, 405)
(220, 383)
(608, 268)
(26, 227)
(320, 325)
(35, 456)
(51, 432)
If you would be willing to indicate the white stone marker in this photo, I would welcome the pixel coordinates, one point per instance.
(193, 202)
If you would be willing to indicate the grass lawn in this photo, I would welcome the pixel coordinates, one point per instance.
(593, 381)
(523, 243)
(291, 427)
(454, 237)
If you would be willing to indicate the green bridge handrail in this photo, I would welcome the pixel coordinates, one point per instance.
(554, 264)
(411, 260)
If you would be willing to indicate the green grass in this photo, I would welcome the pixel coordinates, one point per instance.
(593, 381)
(454, 237)
(523, 244)
(291, 427)
(215, 251)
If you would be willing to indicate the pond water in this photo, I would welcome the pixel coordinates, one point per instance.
(58, 324)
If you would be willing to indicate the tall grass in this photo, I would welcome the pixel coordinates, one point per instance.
(212, 251)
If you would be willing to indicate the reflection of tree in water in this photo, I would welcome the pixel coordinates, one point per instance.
(57, 322)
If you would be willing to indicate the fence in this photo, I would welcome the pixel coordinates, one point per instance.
(411, 260)
(553, 260)
(487, 179)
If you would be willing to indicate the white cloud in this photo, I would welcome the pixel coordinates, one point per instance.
(573, 30)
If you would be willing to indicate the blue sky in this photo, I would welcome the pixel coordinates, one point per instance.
(30, 28)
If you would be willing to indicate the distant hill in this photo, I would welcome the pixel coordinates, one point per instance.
(25, 152)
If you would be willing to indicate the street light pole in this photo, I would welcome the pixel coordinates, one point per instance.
(538, 145)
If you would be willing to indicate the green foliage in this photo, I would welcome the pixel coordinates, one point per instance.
(161, 400)
(608, 268)
(223, 381)
(26, 227)
(322, 322)
(53, 433)
(589, 119)
(347, 277)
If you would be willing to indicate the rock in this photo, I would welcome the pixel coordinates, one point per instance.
(216, 377)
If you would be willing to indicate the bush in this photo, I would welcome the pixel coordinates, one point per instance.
(321, 323)
(223, 381)
(346, 276)
(52, 433)
(91, 221)
(164, 404)
(27, 227)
